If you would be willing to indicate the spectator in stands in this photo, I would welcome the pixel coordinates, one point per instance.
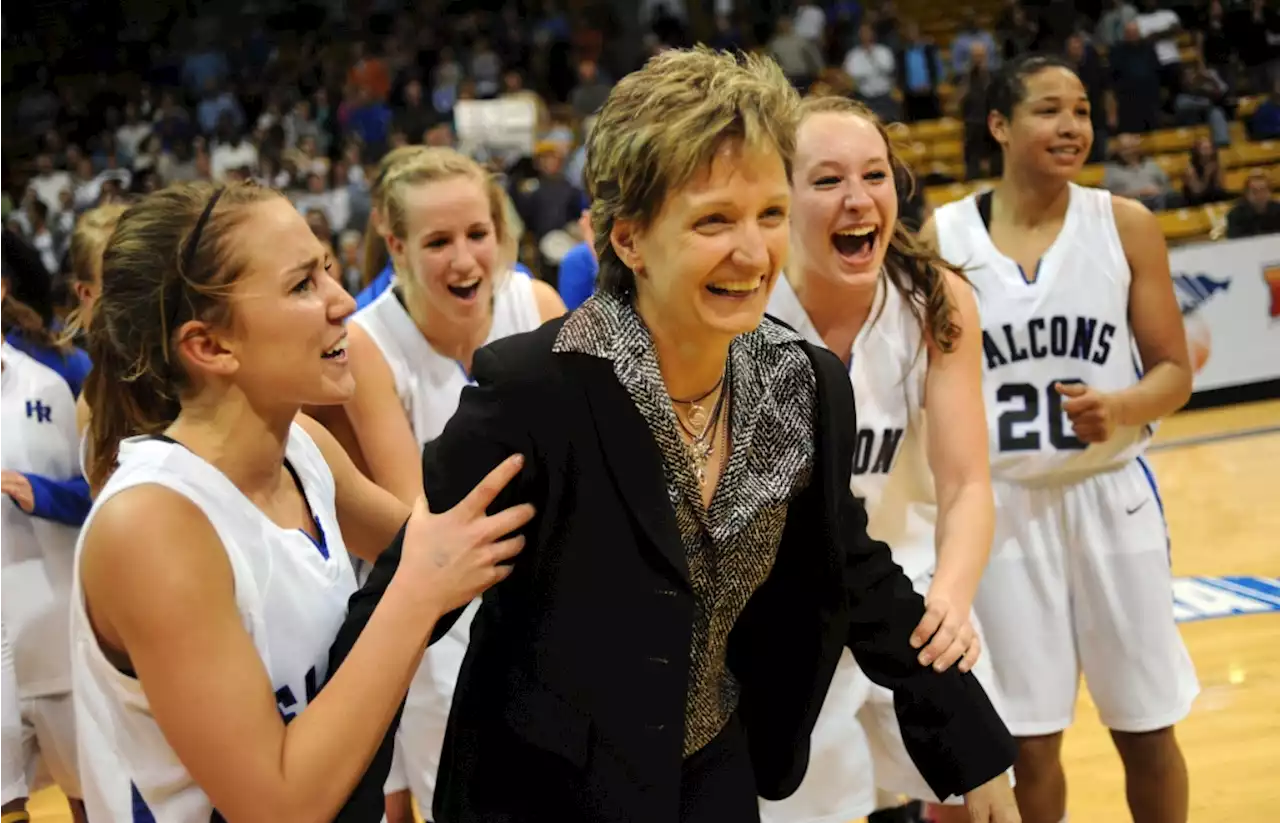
(548, 202)
(1112, 24)
(415, 115)
(218, 103)
(920, 71)
(811, 22)
(1161, 28)
(800, 59)
(1202, 179)
(369, 73)
(1257, 42)
(873, 69)
(486, 69)
(1017, 31)
(133, 131)
(887, 24)
(1135, 78)
(231, 150)
(981, 153)
(1133, 175)
(368, 118)
(1202, 98)
(1265, 122)
(968, 34)
(1088, 66)
(1055, 23)
(592, 89)
(1256, 213)
(41, 238)
(1213, 42)
(49, 181)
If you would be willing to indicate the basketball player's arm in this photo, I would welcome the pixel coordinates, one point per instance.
(950, 728)
(160, 588)
(382, 428)
(370, 516)
(961, 472)
(550, 306)
(1157, 327)
(1154, 317)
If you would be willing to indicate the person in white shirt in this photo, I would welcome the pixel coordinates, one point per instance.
(455, 291)
(211, 576)
(874, 71)
(1085, 351)
(38, 433)
(907, 327)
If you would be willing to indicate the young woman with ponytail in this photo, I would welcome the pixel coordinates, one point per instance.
(906, 326)
(212, 576)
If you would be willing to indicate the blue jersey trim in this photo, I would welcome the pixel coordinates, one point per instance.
(1155, 490)
(73, 366)
(63, 501)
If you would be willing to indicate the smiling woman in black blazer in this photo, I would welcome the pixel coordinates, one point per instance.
(697, 562)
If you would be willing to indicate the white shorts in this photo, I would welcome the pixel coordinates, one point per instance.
(426, 713)
(397, 780)
(857, 747)
(1079, 580)
(46, 747)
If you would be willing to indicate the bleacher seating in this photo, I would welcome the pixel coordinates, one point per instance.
(937, 146)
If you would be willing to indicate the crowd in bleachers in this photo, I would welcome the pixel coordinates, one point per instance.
(1186, 101)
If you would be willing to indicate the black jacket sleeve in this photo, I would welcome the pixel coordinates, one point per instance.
(951, 730)
(480, 435)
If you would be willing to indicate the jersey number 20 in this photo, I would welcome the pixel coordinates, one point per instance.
(1017, 430)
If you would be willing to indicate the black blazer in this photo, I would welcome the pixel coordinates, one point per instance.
(570, 702)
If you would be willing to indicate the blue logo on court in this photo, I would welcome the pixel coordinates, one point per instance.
(1204, 598)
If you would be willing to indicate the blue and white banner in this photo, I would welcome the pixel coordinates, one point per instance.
(1229, 292)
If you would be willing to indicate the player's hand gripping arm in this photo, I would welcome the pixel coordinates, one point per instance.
(164, 597)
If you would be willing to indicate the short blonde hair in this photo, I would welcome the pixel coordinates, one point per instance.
(435, 164)
(662, 124)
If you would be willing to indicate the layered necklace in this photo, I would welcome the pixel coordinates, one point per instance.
(703, 425)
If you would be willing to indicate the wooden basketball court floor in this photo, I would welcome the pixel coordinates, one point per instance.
(1218, 472)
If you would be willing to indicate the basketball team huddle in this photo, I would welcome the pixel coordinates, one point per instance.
(802, 515)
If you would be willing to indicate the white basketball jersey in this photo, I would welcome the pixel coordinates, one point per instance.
(38, 426)
(430, 386)
(1069, 323)
(291, 593)
(890, 466)
(428, 383)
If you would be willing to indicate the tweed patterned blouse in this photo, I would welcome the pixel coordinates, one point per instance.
(731, 546)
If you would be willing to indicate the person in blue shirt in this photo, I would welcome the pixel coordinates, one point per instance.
(579, 268)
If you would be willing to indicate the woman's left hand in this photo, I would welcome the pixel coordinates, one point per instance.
(17, 486)
(950, 635)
